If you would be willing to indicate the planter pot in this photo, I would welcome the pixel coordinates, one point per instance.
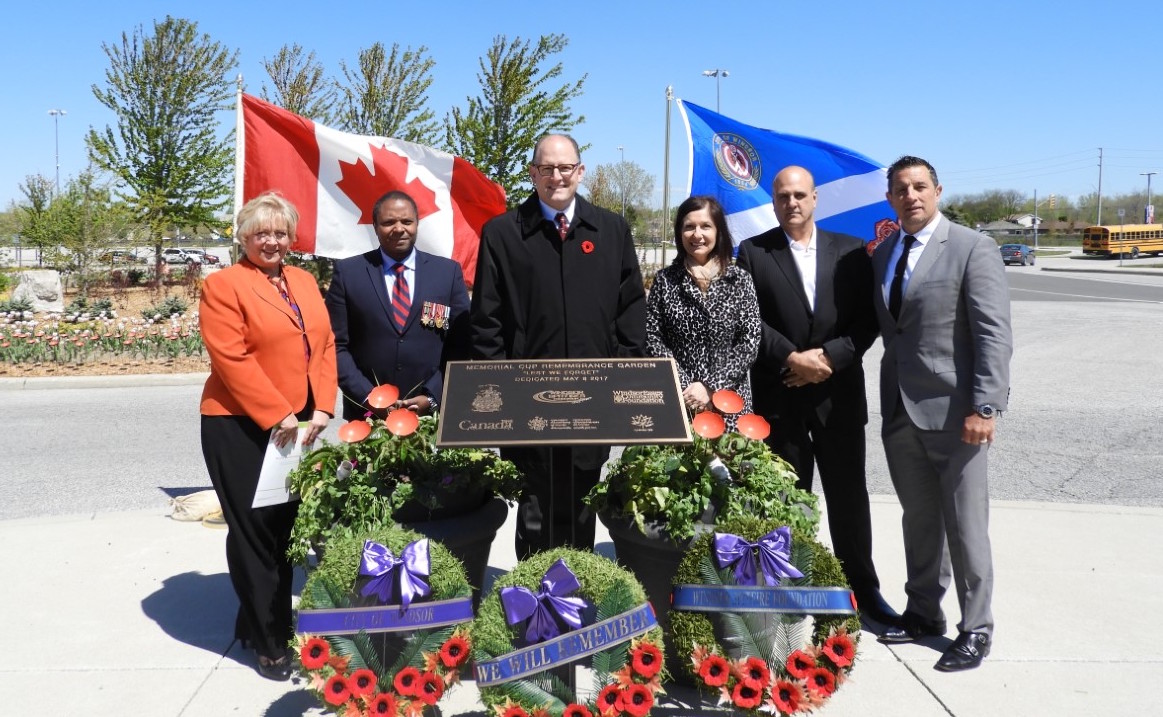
(653, 557)
(468, 535)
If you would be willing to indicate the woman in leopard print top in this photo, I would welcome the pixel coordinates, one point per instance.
(702, 310)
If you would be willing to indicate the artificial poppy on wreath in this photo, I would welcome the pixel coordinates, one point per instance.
(587, 246)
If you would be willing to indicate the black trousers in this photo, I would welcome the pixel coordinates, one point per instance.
(550, 513)
(839, 452)
(256, 544)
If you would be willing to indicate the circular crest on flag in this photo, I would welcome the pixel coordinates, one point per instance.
(736, 160)
(884, 229)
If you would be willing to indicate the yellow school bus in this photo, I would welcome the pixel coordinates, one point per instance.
(1129, 240)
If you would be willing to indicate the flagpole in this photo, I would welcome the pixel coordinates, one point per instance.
(666, 180)
(239, 156)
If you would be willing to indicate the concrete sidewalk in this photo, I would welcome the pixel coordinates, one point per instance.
(132, 613)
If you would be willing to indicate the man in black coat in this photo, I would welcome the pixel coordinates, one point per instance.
(377, 341)
(815, 300)
(557, 278)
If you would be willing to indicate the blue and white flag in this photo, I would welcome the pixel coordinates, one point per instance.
(737, 163)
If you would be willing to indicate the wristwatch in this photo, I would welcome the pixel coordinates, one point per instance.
(433, 404)
(985, 411)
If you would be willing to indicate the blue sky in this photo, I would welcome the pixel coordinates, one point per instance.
(995, 95)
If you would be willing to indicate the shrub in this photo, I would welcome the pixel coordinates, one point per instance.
(11, 305)
(170, 306)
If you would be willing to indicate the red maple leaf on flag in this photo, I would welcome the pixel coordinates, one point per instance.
(387, 174)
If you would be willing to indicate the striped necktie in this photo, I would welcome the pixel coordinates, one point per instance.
(401, 301)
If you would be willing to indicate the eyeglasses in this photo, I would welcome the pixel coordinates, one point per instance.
(546, 170)
(264, 235)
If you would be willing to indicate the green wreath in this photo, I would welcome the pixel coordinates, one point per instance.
(785, 663)
(628, 674)
(348, 672)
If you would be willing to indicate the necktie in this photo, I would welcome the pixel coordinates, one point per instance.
(401, 301)
(898, 278)
(562, 224)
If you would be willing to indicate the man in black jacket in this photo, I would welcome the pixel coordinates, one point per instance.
(557, 278)
(815, 300)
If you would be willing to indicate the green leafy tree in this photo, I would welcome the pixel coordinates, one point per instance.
(386, 94)
(167, 89)
(299, 85)
(34, 221)
(86, 221)
(517, 104)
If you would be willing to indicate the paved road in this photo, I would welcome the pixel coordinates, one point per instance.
(1084, 424)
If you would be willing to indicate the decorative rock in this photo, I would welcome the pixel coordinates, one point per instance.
(42, 287)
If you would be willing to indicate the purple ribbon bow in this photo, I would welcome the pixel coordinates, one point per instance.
(774, 552)
(542, 609)
(379, 564)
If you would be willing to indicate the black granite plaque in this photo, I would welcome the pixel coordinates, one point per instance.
(562, 402)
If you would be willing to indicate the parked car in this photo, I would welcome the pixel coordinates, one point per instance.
(174, 255)
(120, 256)
(1017, 254)
(207, 257)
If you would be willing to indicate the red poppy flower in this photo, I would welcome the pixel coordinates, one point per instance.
(588, 247)
(799, 664)
(407, 682)
(362, 682)
(431, 688)
(709, 425)
(714, 671)
(746, 697)
(637, 700)
(754, 427)
(354, 431)
(336, 691)
(647, 660)
(314, 653)
(454, 652)
(383, 395)
(821, 681)
(610, 700)
(754, 673)
(727, 401)
(514, 711)
(839, 650)
(402, 422)
(382, 704)
(786, 696)
(575, 710)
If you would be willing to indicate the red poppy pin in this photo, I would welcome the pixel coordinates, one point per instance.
(587, 247)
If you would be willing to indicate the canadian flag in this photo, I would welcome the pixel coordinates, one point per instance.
(333, 179)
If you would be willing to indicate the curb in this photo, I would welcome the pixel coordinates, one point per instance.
(36, 383)
(1112, 270)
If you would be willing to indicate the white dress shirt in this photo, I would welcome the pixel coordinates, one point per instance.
(915, 250)
(805, 258)
(409, 273)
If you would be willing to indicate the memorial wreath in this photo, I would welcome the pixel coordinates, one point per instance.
(556, 608)
(765, 616)
(382, 623)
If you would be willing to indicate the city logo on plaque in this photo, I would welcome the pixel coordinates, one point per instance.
(561, 396)
(642, 423)
(537, 423)
(488, 399)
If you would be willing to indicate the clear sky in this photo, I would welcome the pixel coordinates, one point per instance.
(1007, 95)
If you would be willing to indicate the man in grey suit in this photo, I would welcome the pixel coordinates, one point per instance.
(942, 302)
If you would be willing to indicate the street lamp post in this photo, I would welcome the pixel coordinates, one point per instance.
(622, 178)
(1148, 211)
(716, 73)
(56, 115)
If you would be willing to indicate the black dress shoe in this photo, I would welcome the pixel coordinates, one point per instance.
(278, 670)
(873, 606)
(912, 627)
(966, 652)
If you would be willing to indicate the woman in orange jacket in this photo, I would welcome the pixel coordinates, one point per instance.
(272, 365)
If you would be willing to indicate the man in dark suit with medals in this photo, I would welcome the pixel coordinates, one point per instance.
(398, 314)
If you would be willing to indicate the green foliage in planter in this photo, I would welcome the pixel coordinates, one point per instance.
(387, 473)
(673, 486)
(170, 306)
(819, 566)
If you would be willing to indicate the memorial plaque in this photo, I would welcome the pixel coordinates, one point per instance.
(562, 402)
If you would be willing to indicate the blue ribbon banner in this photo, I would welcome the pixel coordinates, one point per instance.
(566, 648)
(747, 598)
(384, 618)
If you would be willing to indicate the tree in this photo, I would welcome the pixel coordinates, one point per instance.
(499, 128)
(299, 84)
(386, 95)
(86, 222)
(35, 224)
(612, 185)
(166, 90)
